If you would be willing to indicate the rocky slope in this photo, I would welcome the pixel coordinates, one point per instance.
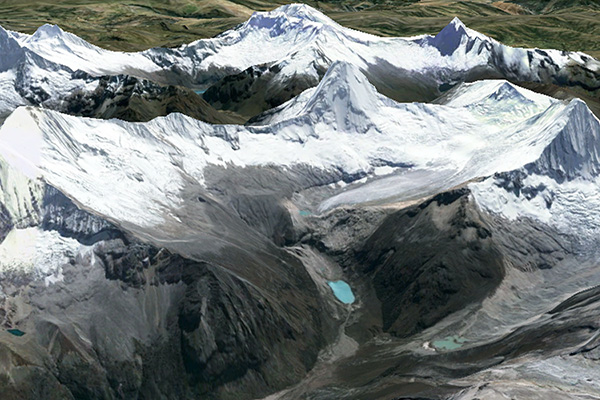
(55, 80)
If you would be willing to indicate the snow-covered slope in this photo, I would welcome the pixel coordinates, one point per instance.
(300, 40)
(291, 35)
(28, 78)
(298, 43)
(60, 47)
(561, 186)
(135, 172)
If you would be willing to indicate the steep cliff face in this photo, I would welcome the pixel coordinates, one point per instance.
(575, 151)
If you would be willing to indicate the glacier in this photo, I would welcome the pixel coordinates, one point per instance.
(290, 35)
(343, 125)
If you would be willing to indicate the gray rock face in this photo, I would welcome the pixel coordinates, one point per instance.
(430, 261)
(256, 89)
(575, 152)
(61, 215)
(132, 320)
(138, 100)
(137, 318)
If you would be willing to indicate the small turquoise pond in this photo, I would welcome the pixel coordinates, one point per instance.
(304, 213)
(449, 343)
(342, 291)
(200, 91)
(16, 332)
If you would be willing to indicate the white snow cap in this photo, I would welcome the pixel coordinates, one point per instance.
(63, 48)
(289, 12)
(341, 126)
(291, 35)
(454, 36)
(345, 96)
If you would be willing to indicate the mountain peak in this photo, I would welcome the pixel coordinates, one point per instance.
(298, 10)
(347, 76)
(457, 24)
(286, 14)
(575, 151)
(344, 99)
(449, 39)
(55, 36)
(507, 92)
(303, 11)
(344, 94)
(479, 92)
(48, 31)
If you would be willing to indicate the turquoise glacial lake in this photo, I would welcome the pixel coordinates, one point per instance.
(342, 291)
(449, 343)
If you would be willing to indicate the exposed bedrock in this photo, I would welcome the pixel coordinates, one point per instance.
(133, 99)
(134, 320)
(427, 261)
(263, 87)
(256, 89)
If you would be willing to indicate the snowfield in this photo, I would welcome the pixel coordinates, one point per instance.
(343, 126)
(135, 171)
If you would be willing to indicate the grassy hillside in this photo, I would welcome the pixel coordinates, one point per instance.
(139, 24)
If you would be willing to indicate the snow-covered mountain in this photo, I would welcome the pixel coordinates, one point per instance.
(27, 78)
(298, 43)
(291, 35)
(50, 65)
(560, 187)
(53, 44)
(343, 128)
(176, 257)
(61, 83)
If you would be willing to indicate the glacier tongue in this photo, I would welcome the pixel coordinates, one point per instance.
(161, 229)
